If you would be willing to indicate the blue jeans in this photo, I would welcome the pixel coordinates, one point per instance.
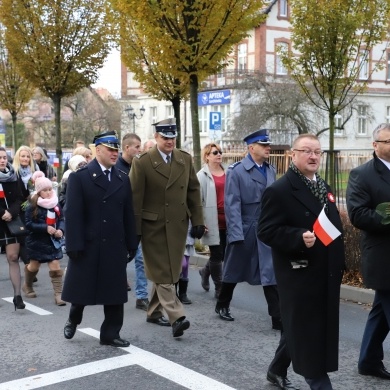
(141, 283)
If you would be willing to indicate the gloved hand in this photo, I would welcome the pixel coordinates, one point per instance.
(237, 242)
(74, 255)
(131, 254)
(197, 231)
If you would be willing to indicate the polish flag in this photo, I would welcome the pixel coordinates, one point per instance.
(56, 162)
(2, 196)
(51, 217)
(324, 229)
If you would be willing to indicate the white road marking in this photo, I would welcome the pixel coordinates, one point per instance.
(172, 371)
(33, 308)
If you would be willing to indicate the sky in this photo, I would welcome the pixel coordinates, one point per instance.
(110, 74)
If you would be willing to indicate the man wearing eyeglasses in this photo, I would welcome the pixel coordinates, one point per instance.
(368, 203)
(166, 195)
(308, 273)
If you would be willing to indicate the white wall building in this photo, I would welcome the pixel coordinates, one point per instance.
(258, 53)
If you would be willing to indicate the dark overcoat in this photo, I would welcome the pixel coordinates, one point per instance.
(369, 185)
(250, 261)
(13, 198)
(309, 297)
(166, 196)
(99, 221)
(39, 245)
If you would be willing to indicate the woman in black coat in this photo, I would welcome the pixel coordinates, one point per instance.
(10, 202)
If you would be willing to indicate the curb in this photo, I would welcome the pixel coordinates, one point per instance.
(349, 293)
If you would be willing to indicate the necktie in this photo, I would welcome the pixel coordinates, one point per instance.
(168, 159)
(107, 173)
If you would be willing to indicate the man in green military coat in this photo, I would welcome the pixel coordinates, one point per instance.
(166, 196)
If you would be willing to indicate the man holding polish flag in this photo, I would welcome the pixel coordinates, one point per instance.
(324, 229)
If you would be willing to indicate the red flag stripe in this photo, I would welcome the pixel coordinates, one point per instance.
(2, 196)
(321, 233)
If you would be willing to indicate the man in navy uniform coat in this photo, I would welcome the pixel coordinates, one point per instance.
(100, 239)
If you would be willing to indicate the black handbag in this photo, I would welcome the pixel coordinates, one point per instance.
(16, 227)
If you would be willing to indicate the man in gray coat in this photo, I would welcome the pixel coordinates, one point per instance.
(247, 259)
(368, 187)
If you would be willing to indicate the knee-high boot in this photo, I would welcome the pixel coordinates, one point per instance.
(216, 275)
(183, 284)
(205, 274)
(28, 283)
(56, 280)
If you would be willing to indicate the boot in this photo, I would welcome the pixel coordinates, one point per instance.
(205, 274)
(216, 275)
(183, 284)
(28, 283)
(56, 280)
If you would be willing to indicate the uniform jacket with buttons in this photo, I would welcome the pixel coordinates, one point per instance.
(166, 197)
(99, 222)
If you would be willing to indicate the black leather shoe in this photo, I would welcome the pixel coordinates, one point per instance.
(280, 381)
(142, 304)
(379, 372)
(224, 313)
(119, 343)
(69, 329)
(162, 321)
(179, 326)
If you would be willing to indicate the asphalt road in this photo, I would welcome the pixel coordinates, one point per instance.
(212, 354)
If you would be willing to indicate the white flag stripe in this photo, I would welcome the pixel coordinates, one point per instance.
(328, 226)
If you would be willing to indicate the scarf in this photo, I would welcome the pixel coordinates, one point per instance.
(317, 188)
(9, 175)
(48, 203)
(25, 174)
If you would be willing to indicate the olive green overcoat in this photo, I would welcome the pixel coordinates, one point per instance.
(165, 197)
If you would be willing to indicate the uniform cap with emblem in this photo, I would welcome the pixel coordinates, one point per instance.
(109, 139)
(258, 137)
(166, 128)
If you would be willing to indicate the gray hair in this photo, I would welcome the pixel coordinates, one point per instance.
(378, 129)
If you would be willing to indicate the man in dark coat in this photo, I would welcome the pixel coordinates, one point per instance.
(368, 187)
(308, 273)
(247, 259)
(166, 196)
(100, 238)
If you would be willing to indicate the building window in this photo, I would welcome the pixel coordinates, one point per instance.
(169, 111)
(225, 114)
(280, 49)
(280, 122)
(388, 114)
(388, 66)
(363, 64)
(153, 114)
(338, 121)
(283, 8)
(242, 57)
(203, 120)
(362, 119)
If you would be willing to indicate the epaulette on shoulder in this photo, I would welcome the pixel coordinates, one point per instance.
(183, 151)
(141, 155)
(122, 171)
(234, 165)
(81, 169)
(270, 165)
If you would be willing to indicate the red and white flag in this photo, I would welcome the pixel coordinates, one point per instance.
(324, 229)
(51, 217)
(56, 162)
(2, 196)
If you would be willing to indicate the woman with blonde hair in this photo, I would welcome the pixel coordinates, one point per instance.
(83, 151)
(24, 166)
(212, 184)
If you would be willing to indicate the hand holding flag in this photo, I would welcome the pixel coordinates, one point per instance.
(324, 229)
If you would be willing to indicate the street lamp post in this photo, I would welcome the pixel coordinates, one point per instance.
(133, 116)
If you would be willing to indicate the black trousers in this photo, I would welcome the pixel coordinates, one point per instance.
(270, 292)
(281, 360)
(112, 324)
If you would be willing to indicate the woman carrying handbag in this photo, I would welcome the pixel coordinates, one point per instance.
(10, 202)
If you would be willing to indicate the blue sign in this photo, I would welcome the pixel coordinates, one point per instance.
(215, 122)
(214, 97)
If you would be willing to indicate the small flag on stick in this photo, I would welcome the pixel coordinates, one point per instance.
(50, 217)
(56, 162)
(324, 229)
(1, 192)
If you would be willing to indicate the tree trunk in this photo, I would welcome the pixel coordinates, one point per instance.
(195, 120)
(176, 109)
(57, 121)
(331, 155)
(14, 117)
